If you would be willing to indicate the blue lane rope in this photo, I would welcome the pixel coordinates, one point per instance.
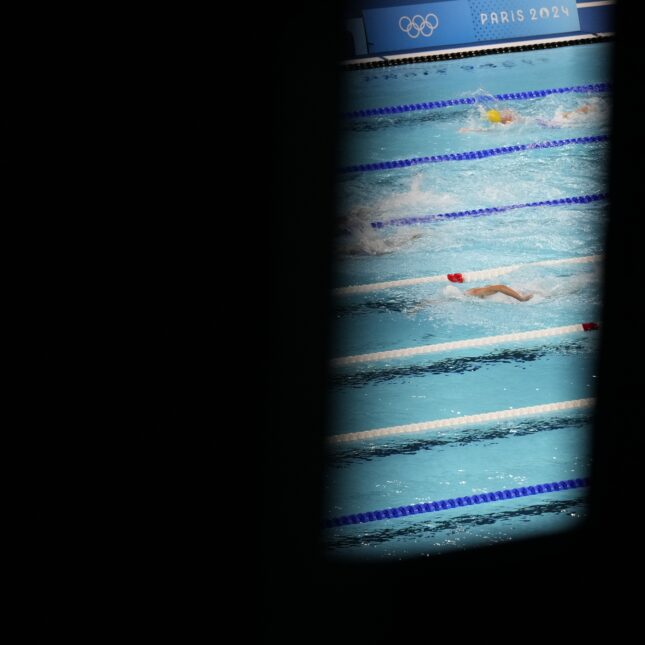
(473, 154)
(445, 504)
(511, 96)
(479, 212)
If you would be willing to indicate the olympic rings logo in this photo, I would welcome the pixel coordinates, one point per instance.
(418, 25)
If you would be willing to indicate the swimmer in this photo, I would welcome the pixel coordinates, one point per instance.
(479, 292)
(508, 116)
(570, 115)
(490, 289)
(585, 108)
(504, 117)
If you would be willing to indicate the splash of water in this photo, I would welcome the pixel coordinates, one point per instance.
(414, 198)
(362, 239)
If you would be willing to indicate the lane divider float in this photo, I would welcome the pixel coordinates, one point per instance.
(440, 424)
(492, 210)
(511, 96)
(482, 341)
(472, 154)
(456, 502)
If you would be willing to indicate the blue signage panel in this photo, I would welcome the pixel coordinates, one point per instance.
(516, 18)
(455, 22)
(419, 25)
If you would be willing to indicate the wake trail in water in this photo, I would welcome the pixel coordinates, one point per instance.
(361, 239)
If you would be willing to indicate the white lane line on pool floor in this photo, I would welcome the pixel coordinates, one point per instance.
(469, 276)
(482, 341)
(461, 420)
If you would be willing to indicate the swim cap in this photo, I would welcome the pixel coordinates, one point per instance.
(494, 116)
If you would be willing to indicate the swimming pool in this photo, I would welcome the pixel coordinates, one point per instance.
(526, 206)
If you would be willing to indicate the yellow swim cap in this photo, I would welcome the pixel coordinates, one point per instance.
(494, 116)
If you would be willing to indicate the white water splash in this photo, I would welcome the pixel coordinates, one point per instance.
(363, 239)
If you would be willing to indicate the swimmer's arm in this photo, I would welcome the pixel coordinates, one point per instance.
(491, 289)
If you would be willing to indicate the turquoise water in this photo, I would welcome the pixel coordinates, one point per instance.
(379, 473)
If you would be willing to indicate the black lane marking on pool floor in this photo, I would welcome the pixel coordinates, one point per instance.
(461, 365)
(375, 124)
(459, 437)
(428, 525)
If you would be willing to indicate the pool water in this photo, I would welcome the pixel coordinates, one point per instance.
(371, 474)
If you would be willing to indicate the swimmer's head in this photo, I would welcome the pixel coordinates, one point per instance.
(494, 116)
